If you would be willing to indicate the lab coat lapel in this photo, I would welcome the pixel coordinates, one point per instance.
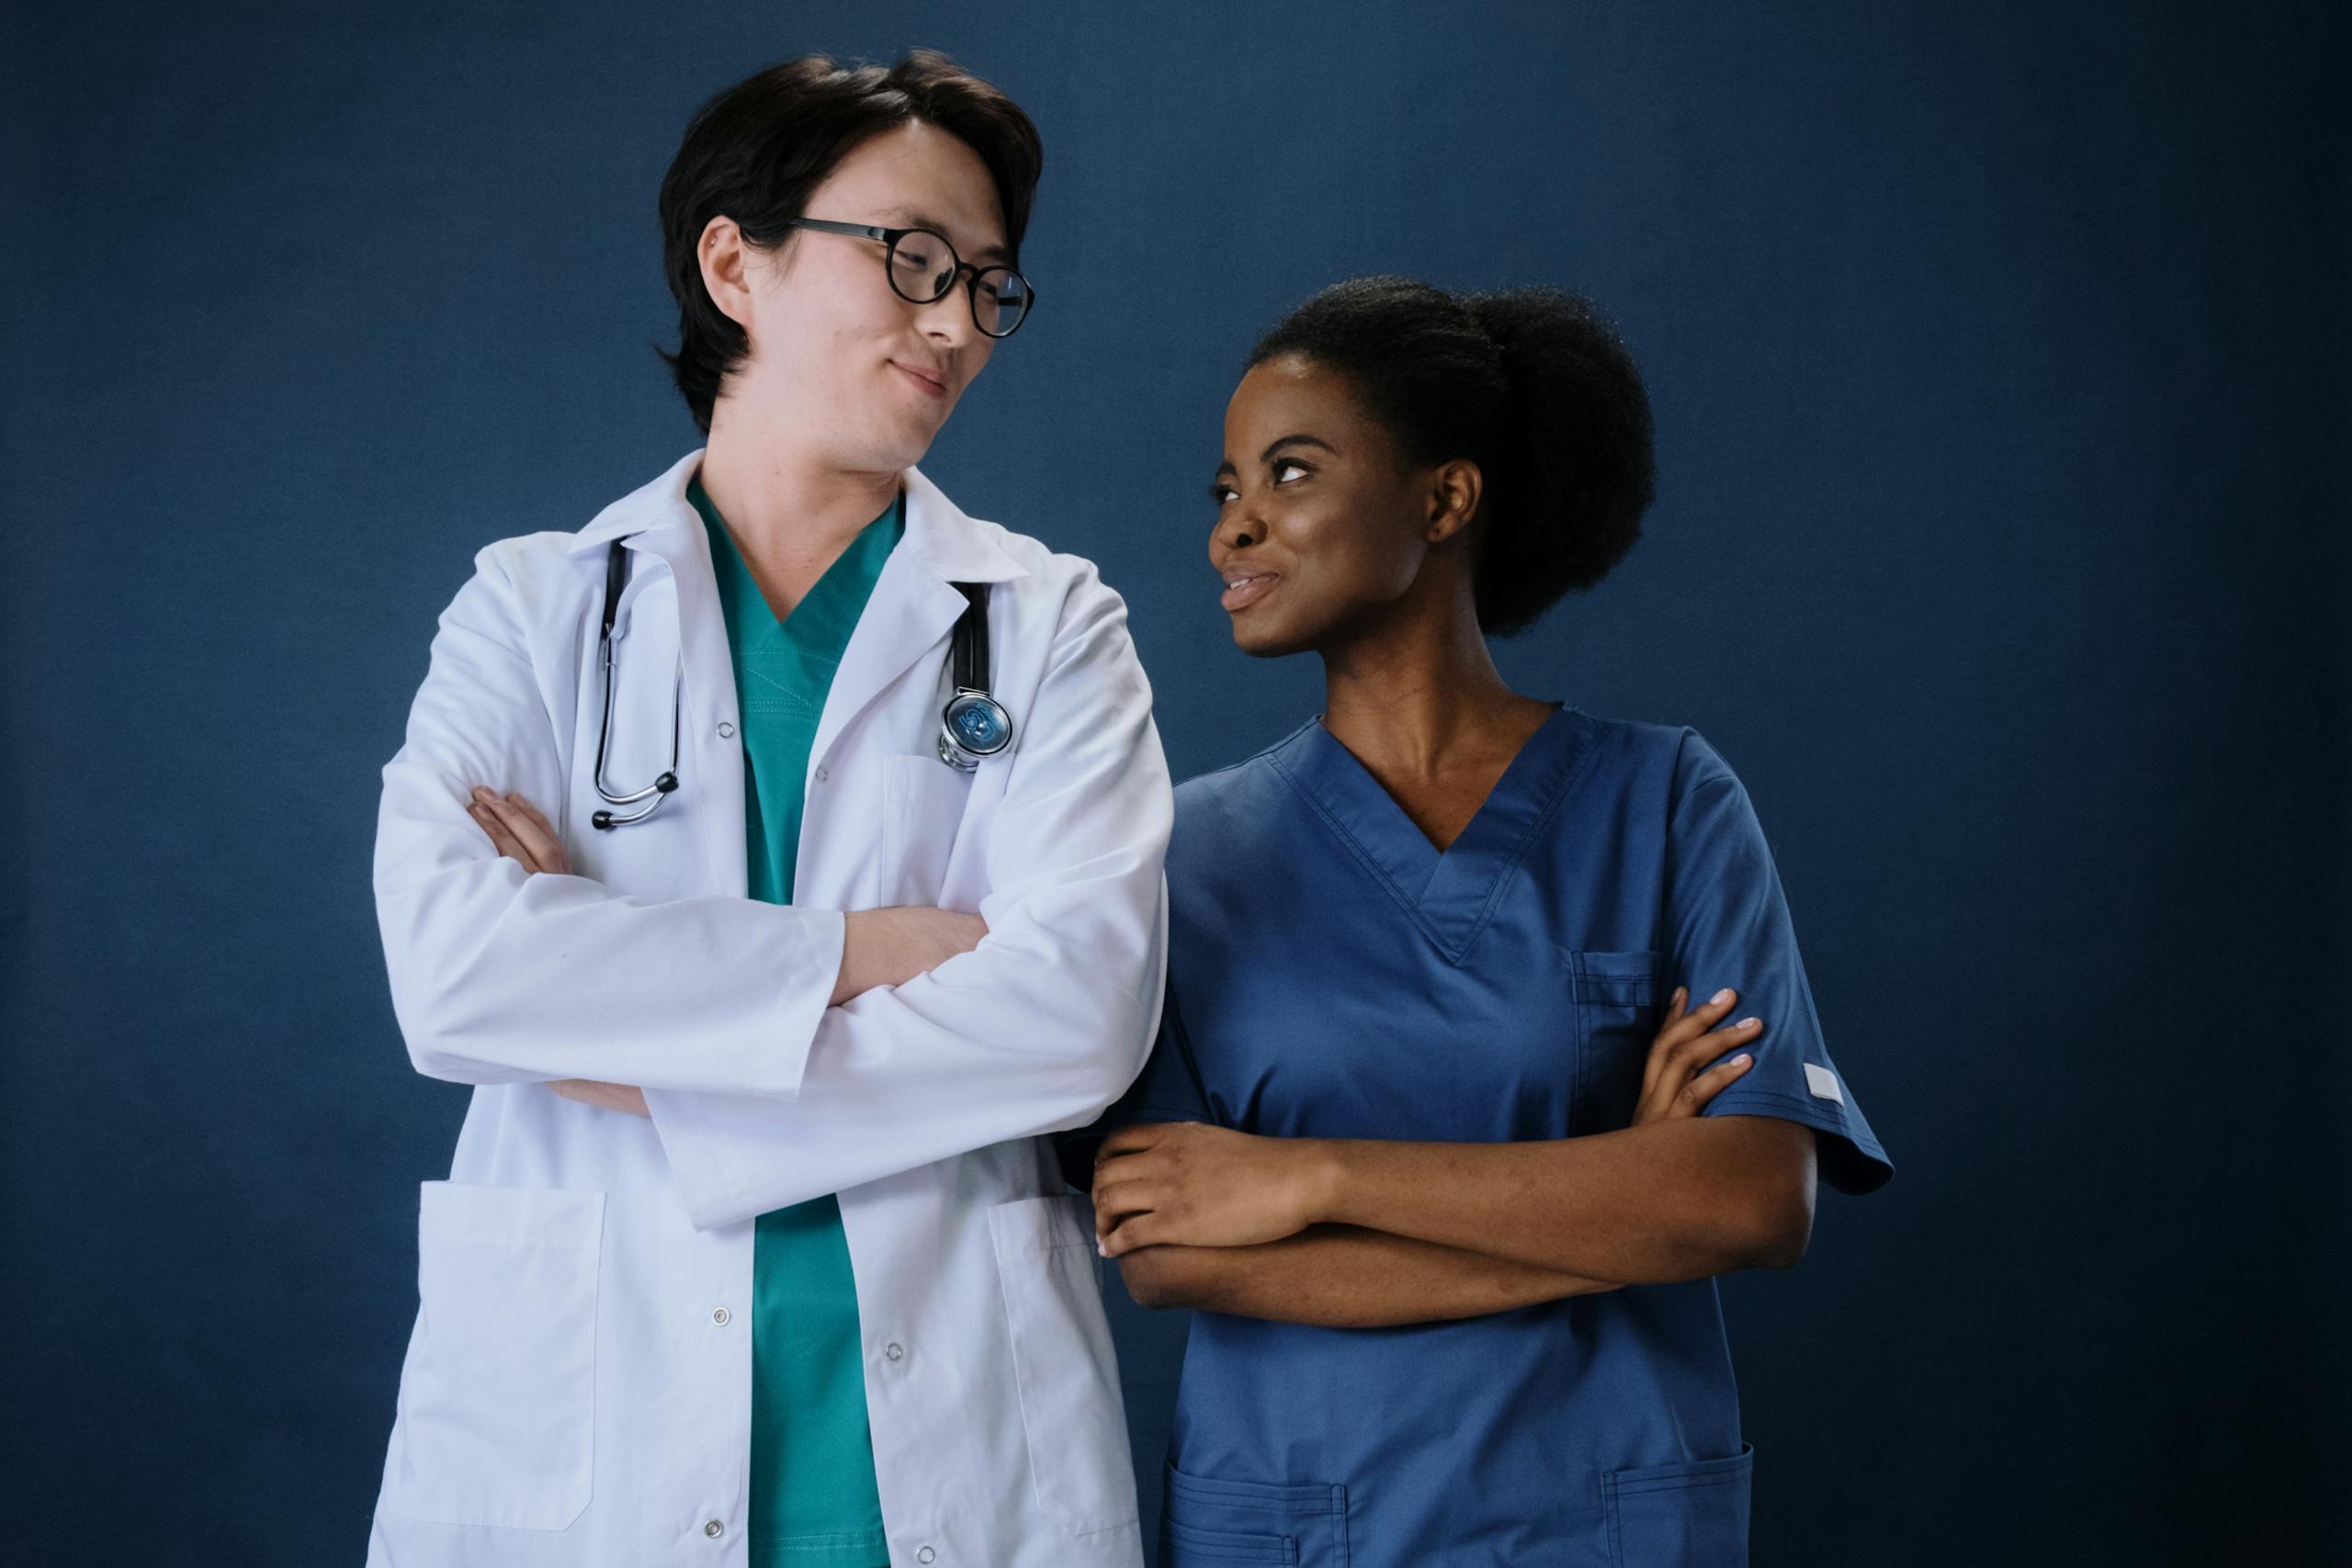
(914, 606)
(658, 523)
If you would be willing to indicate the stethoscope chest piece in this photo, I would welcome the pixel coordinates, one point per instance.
(973, 725)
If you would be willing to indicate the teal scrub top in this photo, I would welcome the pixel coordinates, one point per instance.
(814, 1502)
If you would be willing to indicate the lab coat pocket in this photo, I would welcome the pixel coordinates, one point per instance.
(497, 1403)
(1617, 1018)
(923, 807)
(1206, 1521)
(1681, 1515)
(1062, 1363)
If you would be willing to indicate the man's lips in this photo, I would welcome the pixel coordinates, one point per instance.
(1248, 588)
(929, 380)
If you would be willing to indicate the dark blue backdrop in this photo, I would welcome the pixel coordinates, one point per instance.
(1999, 357)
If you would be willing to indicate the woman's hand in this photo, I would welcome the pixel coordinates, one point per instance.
(1672, 1085)
(1190, 1184)
(526, 837)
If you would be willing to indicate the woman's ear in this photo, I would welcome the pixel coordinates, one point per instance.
(1454, 489)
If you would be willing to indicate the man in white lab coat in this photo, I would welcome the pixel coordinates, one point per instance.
(969, 959)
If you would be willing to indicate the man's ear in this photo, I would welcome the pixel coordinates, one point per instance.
(725, 263)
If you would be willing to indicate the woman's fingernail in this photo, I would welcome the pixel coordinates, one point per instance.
(1742, 1059)
(1720, 996)
(481, 792)
(1749, 1022)
(1101, 1250)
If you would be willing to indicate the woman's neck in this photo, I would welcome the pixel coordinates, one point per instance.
(1420, 697)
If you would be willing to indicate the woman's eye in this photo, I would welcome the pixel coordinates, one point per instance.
(1219, 494)
(1284, 463)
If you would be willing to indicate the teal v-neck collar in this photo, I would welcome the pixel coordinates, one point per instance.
(1448, 894)
(820, 623)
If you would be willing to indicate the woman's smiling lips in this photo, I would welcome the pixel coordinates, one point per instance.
(1246, 588)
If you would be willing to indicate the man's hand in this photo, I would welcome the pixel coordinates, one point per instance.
(603, 1096)
(518, 831)
(891, 947)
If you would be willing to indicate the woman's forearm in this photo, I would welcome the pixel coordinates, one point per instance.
(1664, 1201)
(1342, 1277)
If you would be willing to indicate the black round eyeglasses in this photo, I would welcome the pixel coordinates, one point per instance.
(922, 266)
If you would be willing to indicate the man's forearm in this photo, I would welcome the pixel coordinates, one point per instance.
(1342, 1277)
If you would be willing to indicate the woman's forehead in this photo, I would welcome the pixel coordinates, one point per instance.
(1290, 387)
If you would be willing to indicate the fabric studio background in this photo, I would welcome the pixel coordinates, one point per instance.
(1999, 358)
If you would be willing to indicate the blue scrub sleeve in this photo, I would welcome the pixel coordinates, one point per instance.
(1728, 925)
(1168, 1090)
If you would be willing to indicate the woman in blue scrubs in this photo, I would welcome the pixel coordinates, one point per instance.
(1417, 1143)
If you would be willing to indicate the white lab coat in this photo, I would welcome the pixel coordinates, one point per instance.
(578, 1388)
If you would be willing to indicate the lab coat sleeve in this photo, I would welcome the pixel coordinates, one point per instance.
(501, 976)
(1036, 1030)
(1728, 924)
(1170, 1088)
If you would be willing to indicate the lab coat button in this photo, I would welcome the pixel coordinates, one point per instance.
(822, 774)
(720, 1316)
(924, 1554)
(724, 729)
(713, 1528)
(894, 1350)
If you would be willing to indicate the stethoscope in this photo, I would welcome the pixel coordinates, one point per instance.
(972, 725)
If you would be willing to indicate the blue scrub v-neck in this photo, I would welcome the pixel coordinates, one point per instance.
(1448, 894)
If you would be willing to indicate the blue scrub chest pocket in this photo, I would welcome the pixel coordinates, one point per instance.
(1617, 1016)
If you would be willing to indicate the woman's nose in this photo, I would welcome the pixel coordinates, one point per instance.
(1238, 532)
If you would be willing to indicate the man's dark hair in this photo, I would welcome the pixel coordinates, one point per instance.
(1531, 385)
(755, 151)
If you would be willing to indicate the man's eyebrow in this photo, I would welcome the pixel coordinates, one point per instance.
(911, 218)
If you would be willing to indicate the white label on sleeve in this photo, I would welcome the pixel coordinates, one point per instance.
(1823, 1084)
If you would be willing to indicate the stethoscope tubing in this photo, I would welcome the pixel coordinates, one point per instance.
(968, 674)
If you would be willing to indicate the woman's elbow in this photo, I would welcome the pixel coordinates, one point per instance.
(1784, 1235)
(1153, 1276)
(1781, 1227)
